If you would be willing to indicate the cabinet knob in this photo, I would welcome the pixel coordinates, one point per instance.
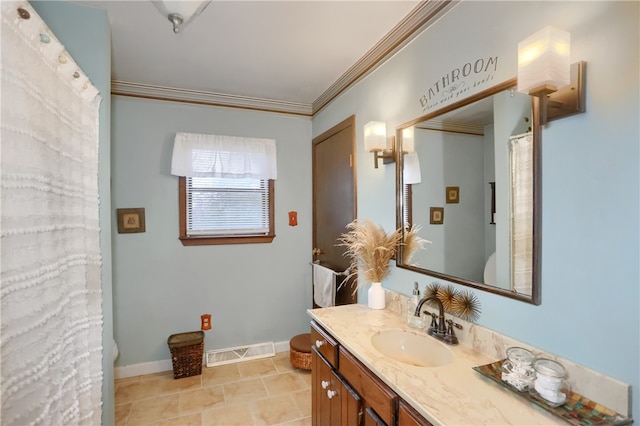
(319, 343)
(331, 393)
(325, 384)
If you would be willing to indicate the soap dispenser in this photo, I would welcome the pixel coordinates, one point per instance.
(412, 320)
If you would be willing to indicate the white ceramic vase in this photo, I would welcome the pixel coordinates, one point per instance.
(376, 296)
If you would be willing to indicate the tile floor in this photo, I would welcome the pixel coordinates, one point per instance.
(267, 391)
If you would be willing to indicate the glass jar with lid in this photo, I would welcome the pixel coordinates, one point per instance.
(517, 369)
(551, 384)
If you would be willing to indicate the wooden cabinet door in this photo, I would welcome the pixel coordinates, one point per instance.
(315, 386)
(327, 393)
(372, 419)
(321, 377)
(374, 392)
(350, 404)
(408, 416)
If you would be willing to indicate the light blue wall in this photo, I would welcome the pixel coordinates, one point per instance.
(86, 34)
(451, 159)
(590, 170)
(255, 292)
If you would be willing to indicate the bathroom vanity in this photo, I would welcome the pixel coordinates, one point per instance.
(346, 392)
(354, 383)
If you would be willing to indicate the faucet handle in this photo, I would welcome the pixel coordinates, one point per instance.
(453, 324)
(434, 321)
(450, 337)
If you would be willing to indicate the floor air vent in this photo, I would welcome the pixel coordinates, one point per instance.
(240, 353)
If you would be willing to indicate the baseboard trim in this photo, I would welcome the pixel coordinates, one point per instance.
(166, 365)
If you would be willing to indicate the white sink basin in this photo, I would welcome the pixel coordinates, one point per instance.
(420, 350)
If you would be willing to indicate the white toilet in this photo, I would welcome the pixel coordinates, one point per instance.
(490, 270)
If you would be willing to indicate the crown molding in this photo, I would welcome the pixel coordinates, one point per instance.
(419, 19)
(149, 91)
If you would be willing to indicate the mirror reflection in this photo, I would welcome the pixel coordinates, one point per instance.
(467, 179)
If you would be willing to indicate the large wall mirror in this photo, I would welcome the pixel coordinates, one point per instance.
(469, 177)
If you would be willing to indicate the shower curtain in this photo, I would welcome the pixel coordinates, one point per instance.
(522, 212)
(50, 289)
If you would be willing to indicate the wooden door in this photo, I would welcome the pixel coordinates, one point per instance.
(334, 198)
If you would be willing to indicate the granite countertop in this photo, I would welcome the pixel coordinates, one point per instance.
(453, 394)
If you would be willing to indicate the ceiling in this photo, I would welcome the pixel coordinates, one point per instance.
(275, 55)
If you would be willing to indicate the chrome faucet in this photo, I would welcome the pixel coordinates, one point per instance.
(438, 329)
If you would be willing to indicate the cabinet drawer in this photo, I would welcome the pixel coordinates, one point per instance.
(325, 344)
(373, 391)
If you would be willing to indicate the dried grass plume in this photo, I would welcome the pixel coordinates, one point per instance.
(370, 248)
(412, 243)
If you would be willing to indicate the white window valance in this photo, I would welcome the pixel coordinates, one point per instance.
(200, 155)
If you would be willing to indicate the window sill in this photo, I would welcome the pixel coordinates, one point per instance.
(209, 241)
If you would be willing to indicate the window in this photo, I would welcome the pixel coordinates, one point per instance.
(226, 188)
(226, 211)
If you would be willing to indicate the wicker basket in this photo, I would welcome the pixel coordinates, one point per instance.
(300, 351)
(186, 353)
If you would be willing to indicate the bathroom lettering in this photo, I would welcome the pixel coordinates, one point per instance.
(452, 84)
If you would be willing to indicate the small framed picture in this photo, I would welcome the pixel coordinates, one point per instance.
(436, 215)
(130, 220)
(453, 194)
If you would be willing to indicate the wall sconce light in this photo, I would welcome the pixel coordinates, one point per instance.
(408, 140)
(411, 173)
(376, 141)
(180, 13)
(411, 166)
(545, 71)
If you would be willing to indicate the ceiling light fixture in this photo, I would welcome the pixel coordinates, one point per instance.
(180, 13)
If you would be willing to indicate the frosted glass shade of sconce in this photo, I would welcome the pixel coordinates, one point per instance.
(408, 140)
(411, 171)
(544, 61)
(375, 136)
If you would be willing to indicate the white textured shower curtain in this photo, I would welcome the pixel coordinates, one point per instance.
(51, 314)
(522, 212)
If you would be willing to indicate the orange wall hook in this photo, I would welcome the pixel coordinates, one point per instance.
(206, 322)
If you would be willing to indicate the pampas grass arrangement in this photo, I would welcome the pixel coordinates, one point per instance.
(370, 248)
(412, 243)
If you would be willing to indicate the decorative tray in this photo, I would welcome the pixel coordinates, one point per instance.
(577, 410)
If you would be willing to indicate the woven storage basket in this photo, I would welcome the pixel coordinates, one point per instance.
(186, 353)
(300, 351)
